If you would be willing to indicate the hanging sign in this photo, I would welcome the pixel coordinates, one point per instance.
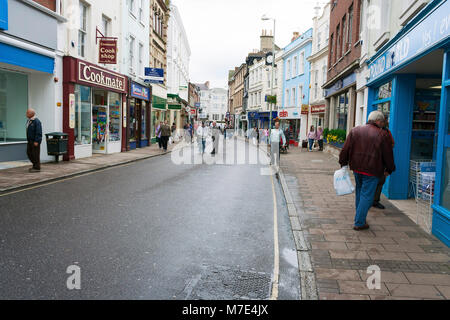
(154, 75)
(305, 109)
(107, 51)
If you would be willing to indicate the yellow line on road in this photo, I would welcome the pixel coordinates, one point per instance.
(276, 271)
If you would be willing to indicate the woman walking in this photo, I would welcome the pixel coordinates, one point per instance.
(320, 137)
(312, 135)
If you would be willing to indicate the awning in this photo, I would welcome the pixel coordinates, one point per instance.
(158, 103)
(174, 106)
(26, 59)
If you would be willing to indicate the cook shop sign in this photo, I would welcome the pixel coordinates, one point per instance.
(93, 75)
(107, 51)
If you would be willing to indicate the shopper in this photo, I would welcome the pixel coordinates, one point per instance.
(376, 199)
(312, 136)
(158, 135)
(368, 151)
(164, 132)
(34, 139)
(319, 137)
(215, 132)
(276, 136)
(254, 136)
(202, 134)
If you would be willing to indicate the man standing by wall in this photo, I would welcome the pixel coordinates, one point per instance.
(34, 139)
(368, 150)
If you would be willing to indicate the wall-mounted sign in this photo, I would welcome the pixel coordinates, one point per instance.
(72, 111)
(154, 75)
(92, 75)
(197, 104)
(305, 109)
(318, 109)
(292, 113)
(107, 51)
(140, 92)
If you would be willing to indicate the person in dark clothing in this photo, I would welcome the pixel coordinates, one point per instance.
(376, 199)
(368, 151)
(164, 130)
(34, 139)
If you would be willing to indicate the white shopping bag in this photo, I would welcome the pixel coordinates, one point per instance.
(342, 183)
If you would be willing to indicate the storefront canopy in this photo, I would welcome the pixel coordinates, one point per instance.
(159, 103)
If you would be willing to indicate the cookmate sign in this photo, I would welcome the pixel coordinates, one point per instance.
(93, 75)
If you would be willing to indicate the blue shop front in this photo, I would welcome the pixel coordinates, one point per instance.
(138, 116)
(410, 83)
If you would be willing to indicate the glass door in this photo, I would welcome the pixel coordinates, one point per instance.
(99, 121)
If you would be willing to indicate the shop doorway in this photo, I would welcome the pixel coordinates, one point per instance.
(99, 121)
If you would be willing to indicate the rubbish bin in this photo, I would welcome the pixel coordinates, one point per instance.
(57, 144)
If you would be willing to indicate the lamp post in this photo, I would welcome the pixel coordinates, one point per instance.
(266, 18)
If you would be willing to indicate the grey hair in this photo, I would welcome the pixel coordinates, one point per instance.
(375, 116)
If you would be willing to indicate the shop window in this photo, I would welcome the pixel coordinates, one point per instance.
(13, 106)
(144, 121)
(385, 108)
(341, 112)
(133, 121)
(82, 129)
(114, 116)
(446, 182)
(385, 91)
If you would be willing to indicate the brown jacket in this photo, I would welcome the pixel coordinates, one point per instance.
(368, 149)
(165, 131)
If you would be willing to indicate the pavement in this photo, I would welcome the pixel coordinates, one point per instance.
(18, 177)
(413, 263)
(150, 229)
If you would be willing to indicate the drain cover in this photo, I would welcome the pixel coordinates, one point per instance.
(225, 283)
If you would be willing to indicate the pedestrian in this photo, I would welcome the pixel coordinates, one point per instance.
(376, 199)
(276, 136)
(312, 135)
(254, 136)
(319, 137)
(164, 131)
(173, 132)
(158, 135)
(202, 134)
(266, 136)
(368, 151)
(34, 139)
(257, 135)
(215, 132)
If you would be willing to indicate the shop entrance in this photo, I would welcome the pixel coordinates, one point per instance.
(99, 121)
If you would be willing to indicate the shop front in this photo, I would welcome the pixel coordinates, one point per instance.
(94, 101)
(291, 124)
(264, 119)
(253, 119)
(160, 114)
(409, 82)
(317, 115)
(138, 116)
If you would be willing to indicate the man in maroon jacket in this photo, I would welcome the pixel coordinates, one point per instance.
(368, 151)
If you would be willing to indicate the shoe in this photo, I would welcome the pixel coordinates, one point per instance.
(364, 227)
(34, 170)
(378, 205)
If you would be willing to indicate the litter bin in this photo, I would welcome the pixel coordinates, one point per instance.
(57, 144)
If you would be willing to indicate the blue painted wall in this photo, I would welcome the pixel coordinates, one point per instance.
(303, 43)
(3, 14)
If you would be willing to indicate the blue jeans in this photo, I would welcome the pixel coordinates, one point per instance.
(311, 143)
(365, 191)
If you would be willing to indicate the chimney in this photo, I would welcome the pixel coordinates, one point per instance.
(266, 41)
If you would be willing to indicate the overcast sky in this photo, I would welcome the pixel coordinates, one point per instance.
(222, 32)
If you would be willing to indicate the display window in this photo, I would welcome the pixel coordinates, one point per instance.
(341, 112)
(99, 119)
(446, 182)
(143, 121)
(133, 121)
(114, 116)
(13, 106)
(83, 117)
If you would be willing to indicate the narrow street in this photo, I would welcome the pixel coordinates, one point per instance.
(149, 230)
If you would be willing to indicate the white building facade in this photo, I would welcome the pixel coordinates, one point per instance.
(319, 65)
(178, 60)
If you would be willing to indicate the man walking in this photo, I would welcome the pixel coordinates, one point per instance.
(202, 134)
(368, 151)
(276, 136)
(34, 139)
(164, 131)
(215, 131)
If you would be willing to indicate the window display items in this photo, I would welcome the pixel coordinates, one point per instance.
(114, 117)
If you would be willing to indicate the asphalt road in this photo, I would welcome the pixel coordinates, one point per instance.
(149, 230)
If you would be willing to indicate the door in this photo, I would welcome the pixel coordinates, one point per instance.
(138, 129)
(99, 121)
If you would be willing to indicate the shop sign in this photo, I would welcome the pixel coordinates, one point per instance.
(107, 51)
(154, 75)
(284, 114)
(71, 111)
(289, 114)
(197, 104)
(193, 112)
(96, 76)
(318, 109)
(140, 92)
(305, 109)
(430, 31)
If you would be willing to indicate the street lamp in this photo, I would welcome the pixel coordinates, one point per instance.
(266, 18)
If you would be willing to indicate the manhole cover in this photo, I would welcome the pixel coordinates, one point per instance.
(224, 283)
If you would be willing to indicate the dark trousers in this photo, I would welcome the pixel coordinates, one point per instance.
(34, 154)
(380, 185)
(164, 141)
(321, 145)
(159, 142)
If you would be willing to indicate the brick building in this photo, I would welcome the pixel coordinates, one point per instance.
(343, 62)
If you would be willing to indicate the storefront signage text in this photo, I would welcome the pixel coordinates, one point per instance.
(140, 92)
(97, 76)
(318, 109)
(305, 109)
(429, 32)
(107, 51)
